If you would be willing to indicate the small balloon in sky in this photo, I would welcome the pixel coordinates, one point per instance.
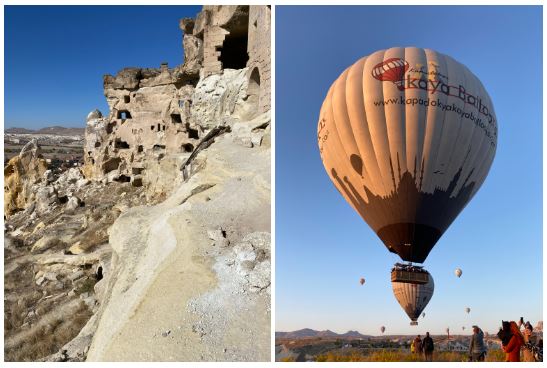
(468, 310)
(382, 329)
(458, 272)
(362, 281)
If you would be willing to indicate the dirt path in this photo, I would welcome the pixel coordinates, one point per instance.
(161, 324)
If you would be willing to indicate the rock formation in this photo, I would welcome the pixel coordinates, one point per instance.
(20, 174)
(159, 116)
(158, 247)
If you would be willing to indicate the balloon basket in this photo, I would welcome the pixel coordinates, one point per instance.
(414, 323)
(410, 275)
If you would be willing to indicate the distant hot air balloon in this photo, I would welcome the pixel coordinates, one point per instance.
(468, 310)
(382, 329)
(423, 315)
(463, 328)
(458, 272)
(362, 281)
(407, 136)
(413, 297)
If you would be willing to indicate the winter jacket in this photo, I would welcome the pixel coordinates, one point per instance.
(418, 345)
(428, 344)
(477, 345)
(512, 349)
(528, 355)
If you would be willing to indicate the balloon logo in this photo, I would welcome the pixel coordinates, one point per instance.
(391, 70)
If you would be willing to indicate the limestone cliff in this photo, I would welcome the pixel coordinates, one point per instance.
(187, 273)
(158, 246)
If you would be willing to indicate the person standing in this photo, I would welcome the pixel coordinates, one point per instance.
(530, 349)
(477, 347)
(512, 348)
(428, 347)
(418, 345)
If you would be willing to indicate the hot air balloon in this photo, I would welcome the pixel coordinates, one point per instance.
(413, 297)
(423, 315)
(467, 310)
(407, 136)
(362, 281)
(382, 329)
(463, 328)
(458, 272)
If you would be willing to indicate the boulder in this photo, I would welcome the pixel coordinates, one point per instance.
(73, 203)
(46, 243)
(46, 196)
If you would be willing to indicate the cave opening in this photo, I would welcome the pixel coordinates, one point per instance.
(124, 114)
(176, 119)
(121, 144)
(187, 147)
(233, 53)
(192, 133)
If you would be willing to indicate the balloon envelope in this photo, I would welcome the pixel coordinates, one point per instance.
(382, 329)
(458, 272)
(362, 281)
(413, 297)
(468, 310)
(407, 136)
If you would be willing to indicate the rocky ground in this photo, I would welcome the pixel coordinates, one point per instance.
(55, 254)
(98, 270)
(193, 272)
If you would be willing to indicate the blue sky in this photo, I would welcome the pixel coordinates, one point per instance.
(323, 247)
(56, 56)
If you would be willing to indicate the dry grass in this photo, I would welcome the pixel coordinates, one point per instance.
(401, 356)
(50, 338)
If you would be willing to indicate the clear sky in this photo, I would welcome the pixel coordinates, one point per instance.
(56, 56)
(323, 247)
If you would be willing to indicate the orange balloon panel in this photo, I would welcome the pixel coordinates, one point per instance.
(407, 136)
